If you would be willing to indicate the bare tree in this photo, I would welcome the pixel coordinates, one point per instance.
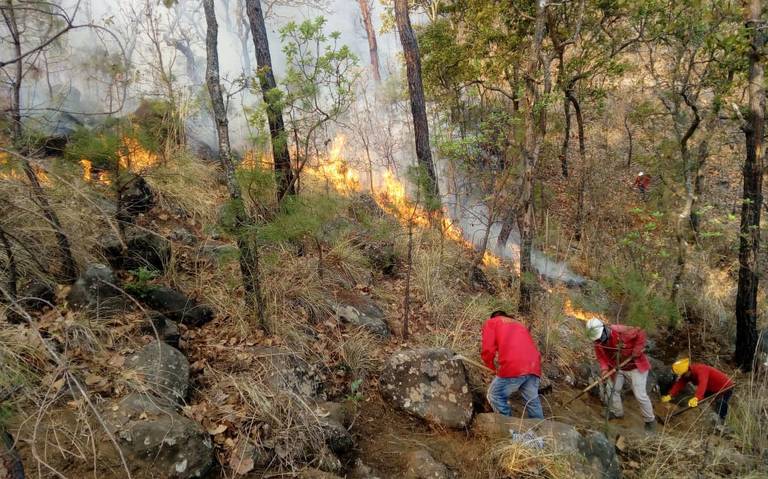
(754, 168)
(282, 158)
(249, 254)
(366, 7)
(418, 104)
(535, 128)
(10, 11)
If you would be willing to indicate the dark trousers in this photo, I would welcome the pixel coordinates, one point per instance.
(721, 403)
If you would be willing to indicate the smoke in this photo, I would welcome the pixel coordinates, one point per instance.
(140, 48)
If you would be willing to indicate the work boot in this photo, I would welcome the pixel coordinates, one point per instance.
(612, 416)
(650, 426)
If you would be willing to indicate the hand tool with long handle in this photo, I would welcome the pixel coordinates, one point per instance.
(599, 380)
(666, 418)
(474, 363)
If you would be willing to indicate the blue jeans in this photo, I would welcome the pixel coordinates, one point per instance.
(502, 388)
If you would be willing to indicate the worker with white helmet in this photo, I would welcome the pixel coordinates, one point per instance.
(614, 344)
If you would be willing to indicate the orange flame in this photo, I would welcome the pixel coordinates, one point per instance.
(577, 313)
(11, 173)
(335, 171)
(132, 157)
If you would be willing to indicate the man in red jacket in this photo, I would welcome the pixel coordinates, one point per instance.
(614, 344)
(708, 381)
(519, 364)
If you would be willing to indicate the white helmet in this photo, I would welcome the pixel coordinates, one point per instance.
(595, 329)
(640, 174)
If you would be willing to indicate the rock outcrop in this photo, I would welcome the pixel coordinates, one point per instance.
(163, 371)
(421, 465)
(142, 249)
(155, 440)
(430, 384)
(176, 305)
(362, 312)
(590, 453)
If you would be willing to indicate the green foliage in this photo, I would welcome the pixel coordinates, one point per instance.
(300, 217)
(140, 283)
(644, 307)
(355, 391)
(102, 149)
(319, 78)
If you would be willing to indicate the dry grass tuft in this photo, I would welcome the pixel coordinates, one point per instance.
(515, 460)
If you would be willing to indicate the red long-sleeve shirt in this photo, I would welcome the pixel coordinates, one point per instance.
(707, 379)
(629, 341)
(517, 352)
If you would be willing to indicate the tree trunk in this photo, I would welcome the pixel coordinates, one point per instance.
(586, 169)
(249, 253)
(749, 239)
(418, 105)
(373, 49)
(69, 268)
(282, 158)
(534, 133)
(629, 139)
(566, 136)
(12, 269)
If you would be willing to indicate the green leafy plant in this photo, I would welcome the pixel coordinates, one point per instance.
(141, 280)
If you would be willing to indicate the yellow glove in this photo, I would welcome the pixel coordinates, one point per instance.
(693, 402)
(666, 398)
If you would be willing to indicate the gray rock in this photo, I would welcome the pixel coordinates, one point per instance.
(155, 438)
(143, 249)
(96, 284)
(184, 236)
(11, 466)
(177, 306)
(162, 328)
(164, 371)
(137, 197)
(592, 454)
(601, 455)
(335, 418)
(429, 384)
(362, 312)
(362, 471)
(421, 465)
(661, 377)
(219, 251)
(36, 295)
(286, 371)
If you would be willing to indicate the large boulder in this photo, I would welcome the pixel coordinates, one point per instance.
(591, 454)
(162, 370)
(430, 384)
(176, 305)
(155, 440)
(362, 312)
(142, 249)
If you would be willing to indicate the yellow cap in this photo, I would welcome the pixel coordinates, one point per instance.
(680, 366)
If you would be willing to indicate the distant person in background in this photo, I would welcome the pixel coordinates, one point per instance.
(709, 382)
(509, 343)
(615, 344)
(642, 183)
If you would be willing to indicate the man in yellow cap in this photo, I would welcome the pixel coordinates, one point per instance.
(708, 381)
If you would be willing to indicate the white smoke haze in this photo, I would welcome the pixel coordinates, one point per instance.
(142, 49)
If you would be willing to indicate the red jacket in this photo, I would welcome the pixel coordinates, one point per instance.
(707, 379)
(629, 341)
(517, 352)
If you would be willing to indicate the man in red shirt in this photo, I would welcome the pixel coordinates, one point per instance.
(519, 364)
(708, 381)
(614, 344)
